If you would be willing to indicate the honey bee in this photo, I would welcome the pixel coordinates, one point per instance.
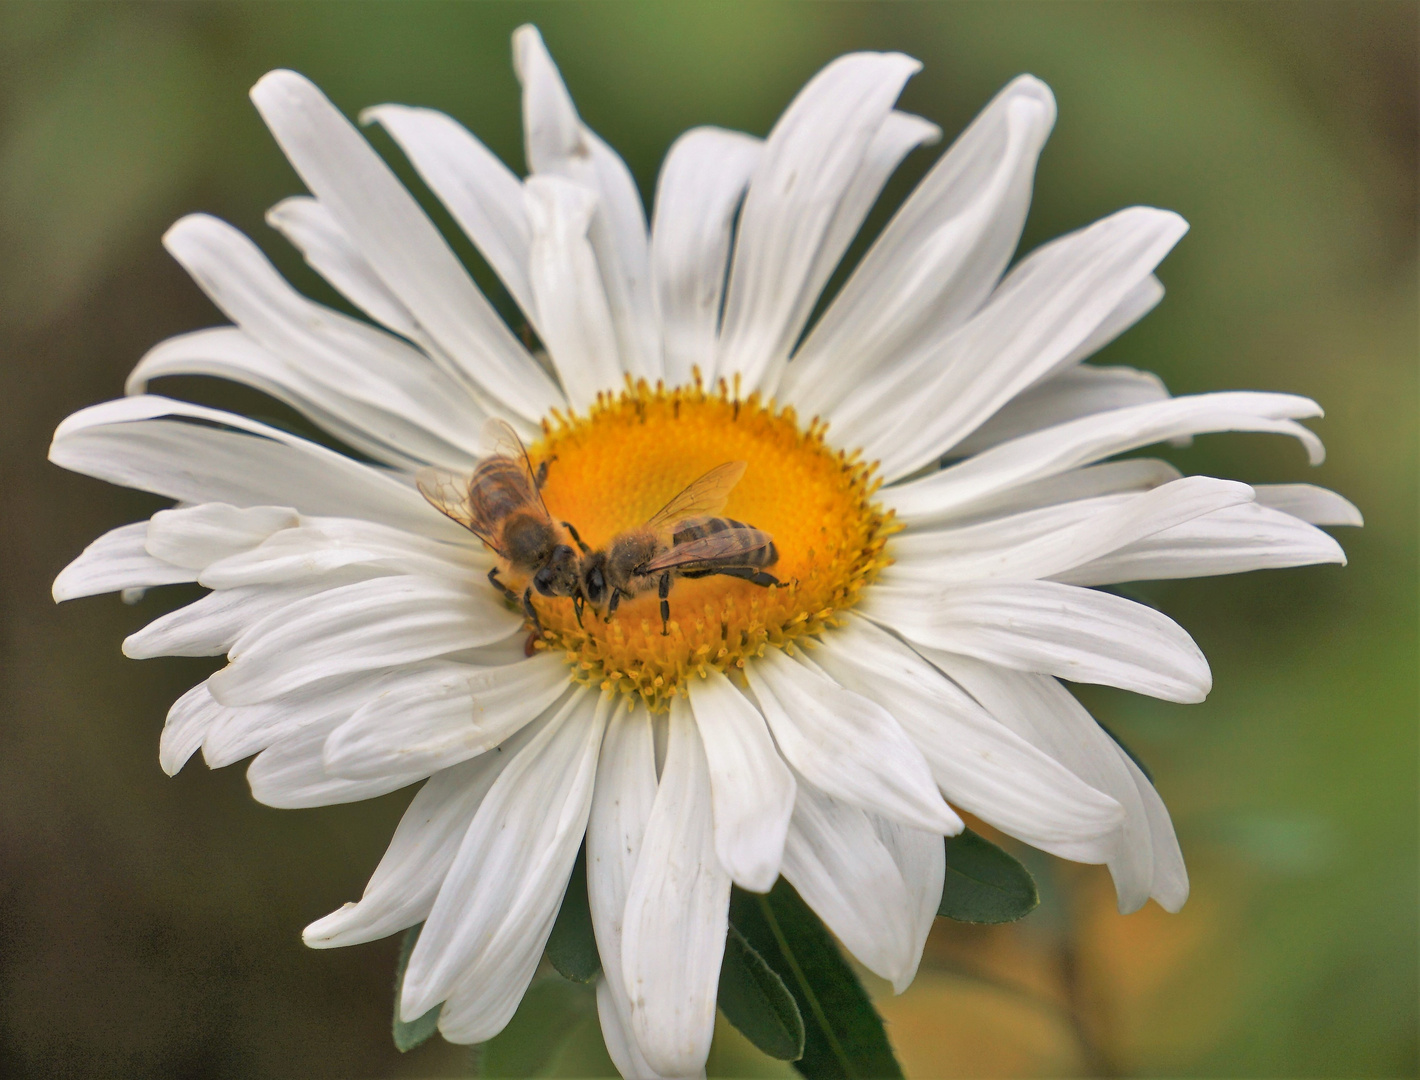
(501, 504)
(684, 538)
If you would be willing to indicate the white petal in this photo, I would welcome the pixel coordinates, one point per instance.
(677, 913)
(558, 143)
(751, 789)
(484, 196)
(1042, 711)
(118, 559)
(430, 717)
(400, 242)
(367, 387)
(573, 315)
(922, 860)
(698, 191)
(194, 536)
(1170, 887)
(898, 135)
(371, 624)
(330, 252)
(402, 889)
(185, 728)
(242, 730)
(288, 775)
(226, 352)
(845, 744)
(210, 626)
(1081, 442)
(615, 1019)
(810, 161)
(1076, 634)
(981, 765)
(1230, 541)
(1052, 543)
(929, 549)
(1137, 303)
(486, 931)
(840, 866)
(151, 443)
(1050, 303)
(621, 807)
(940, 255)
(1074, 486)
(320, 547)
(1310, 503)
(1077, 391)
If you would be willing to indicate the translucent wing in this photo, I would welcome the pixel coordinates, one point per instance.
(449, 492)
(722, 547)
(702, 498)
(499, 439)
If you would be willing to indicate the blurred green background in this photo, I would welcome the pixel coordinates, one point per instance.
(149, 927)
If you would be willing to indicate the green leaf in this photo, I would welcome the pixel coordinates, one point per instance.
(572, 947)
(844, 1037)
(756, 1001)
(409, 1035)
(550, 1013)
(984, 884)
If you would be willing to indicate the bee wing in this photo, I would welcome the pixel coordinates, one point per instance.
(499, 438)
(717, 547)
(448, 493)
(704, 497)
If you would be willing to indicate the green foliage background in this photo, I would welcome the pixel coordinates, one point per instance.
(150, 927)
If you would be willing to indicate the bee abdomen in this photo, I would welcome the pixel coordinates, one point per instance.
(765, 556)
(742, 542)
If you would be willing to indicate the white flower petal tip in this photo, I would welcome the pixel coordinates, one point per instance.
(429, 718)
(821, 168)
(751, 789)
(677, 913)
(117, 560)
(846, 745)
(1077, 443)
(1314, 505)
(403, 246)
(368, 626)
(1076, 634)
(982, 765)
(402, 889)
(485, 932)
(1032, 324)
(937, 259)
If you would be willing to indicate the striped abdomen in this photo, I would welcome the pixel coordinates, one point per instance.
(499, 488)
(707, 543)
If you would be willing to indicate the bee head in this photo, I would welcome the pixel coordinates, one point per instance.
(594, 579)
(558, 575)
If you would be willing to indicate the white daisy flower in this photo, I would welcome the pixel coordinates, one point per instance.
(929, 457)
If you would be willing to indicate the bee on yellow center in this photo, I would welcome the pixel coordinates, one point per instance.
(811, 536)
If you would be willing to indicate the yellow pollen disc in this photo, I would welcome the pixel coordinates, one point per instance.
(611, 470)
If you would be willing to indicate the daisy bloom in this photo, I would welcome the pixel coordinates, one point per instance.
(937, 468)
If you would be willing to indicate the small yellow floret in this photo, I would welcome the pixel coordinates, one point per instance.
(613, 469)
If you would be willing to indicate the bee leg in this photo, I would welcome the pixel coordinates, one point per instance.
(531, 611)
(665, 604)
(750, 574)
(612, 605)
(577, 604)
(580, 542)
(508, 593)
(541, 477)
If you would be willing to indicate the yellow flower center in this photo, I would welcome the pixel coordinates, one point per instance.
(610, 471)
